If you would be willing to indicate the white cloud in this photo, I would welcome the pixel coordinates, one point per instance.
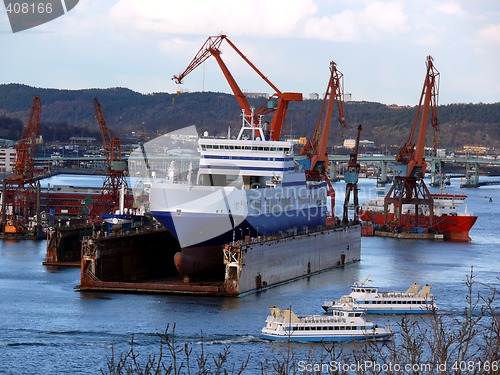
(427, 40)
(377, 19)
(261, 18)
(490, 34)
(342, 27)
(451, 8)
(140, 44)
(384, 17)
(194, 17)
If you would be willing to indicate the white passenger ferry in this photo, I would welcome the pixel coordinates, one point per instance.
(373, 301)
(341, 325)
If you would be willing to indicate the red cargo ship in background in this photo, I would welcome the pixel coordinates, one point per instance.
(447, 220)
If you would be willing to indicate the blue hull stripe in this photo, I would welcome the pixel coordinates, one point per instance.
(231, 167)
(220, 157)
(260, 224)
(398, 311)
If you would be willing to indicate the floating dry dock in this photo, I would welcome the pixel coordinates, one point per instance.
(64, 242)
(143, 261)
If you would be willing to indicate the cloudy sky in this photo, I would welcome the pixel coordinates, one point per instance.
(380, 46)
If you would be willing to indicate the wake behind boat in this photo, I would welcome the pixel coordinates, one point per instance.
(341, 325)
(373, 301)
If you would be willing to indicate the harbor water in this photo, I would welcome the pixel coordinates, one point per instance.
(49, 327)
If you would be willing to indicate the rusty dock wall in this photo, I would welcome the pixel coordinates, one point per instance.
(64, 243)
(141, 254)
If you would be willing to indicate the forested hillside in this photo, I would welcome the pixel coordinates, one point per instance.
(67, 113)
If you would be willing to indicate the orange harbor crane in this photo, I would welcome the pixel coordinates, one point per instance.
(20, 211)
(316, 147)
(277, 103)
(115, 179)
(351, 178)
(408, 186)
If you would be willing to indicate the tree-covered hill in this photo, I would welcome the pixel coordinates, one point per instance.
(67, 113)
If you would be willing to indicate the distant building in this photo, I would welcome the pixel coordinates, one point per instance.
(351, 143)
(7, 159)
(441, 152)
(82, 140)
(477, 150)
(316, 96)
(7, 143)
(255, 95)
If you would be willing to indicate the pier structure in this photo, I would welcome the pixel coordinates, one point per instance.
(471, 175)
(471, 172)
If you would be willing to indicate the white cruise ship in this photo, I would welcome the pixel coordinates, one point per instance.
(245, 187)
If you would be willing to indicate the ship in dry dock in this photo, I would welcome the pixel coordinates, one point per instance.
(251, 215)
(245, 215)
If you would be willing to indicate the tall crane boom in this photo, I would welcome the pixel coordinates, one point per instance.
(112, 146)
(115, 178)
(20, 206)
(26, 147)
(211, 47)
(316, 148)
(412, 154)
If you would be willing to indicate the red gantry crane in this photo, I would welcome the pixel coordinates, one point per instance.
(115, 179)
(277, 103)
(408, 186)
(21, 192)
(316, 147)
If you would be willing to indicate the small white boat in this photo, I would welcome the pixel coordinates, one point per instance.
(373, 301)
(341, 325)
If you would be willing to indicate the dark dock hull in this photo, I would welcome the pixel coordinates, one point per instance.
(127, 258)
(64, 246)
(143, 262)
